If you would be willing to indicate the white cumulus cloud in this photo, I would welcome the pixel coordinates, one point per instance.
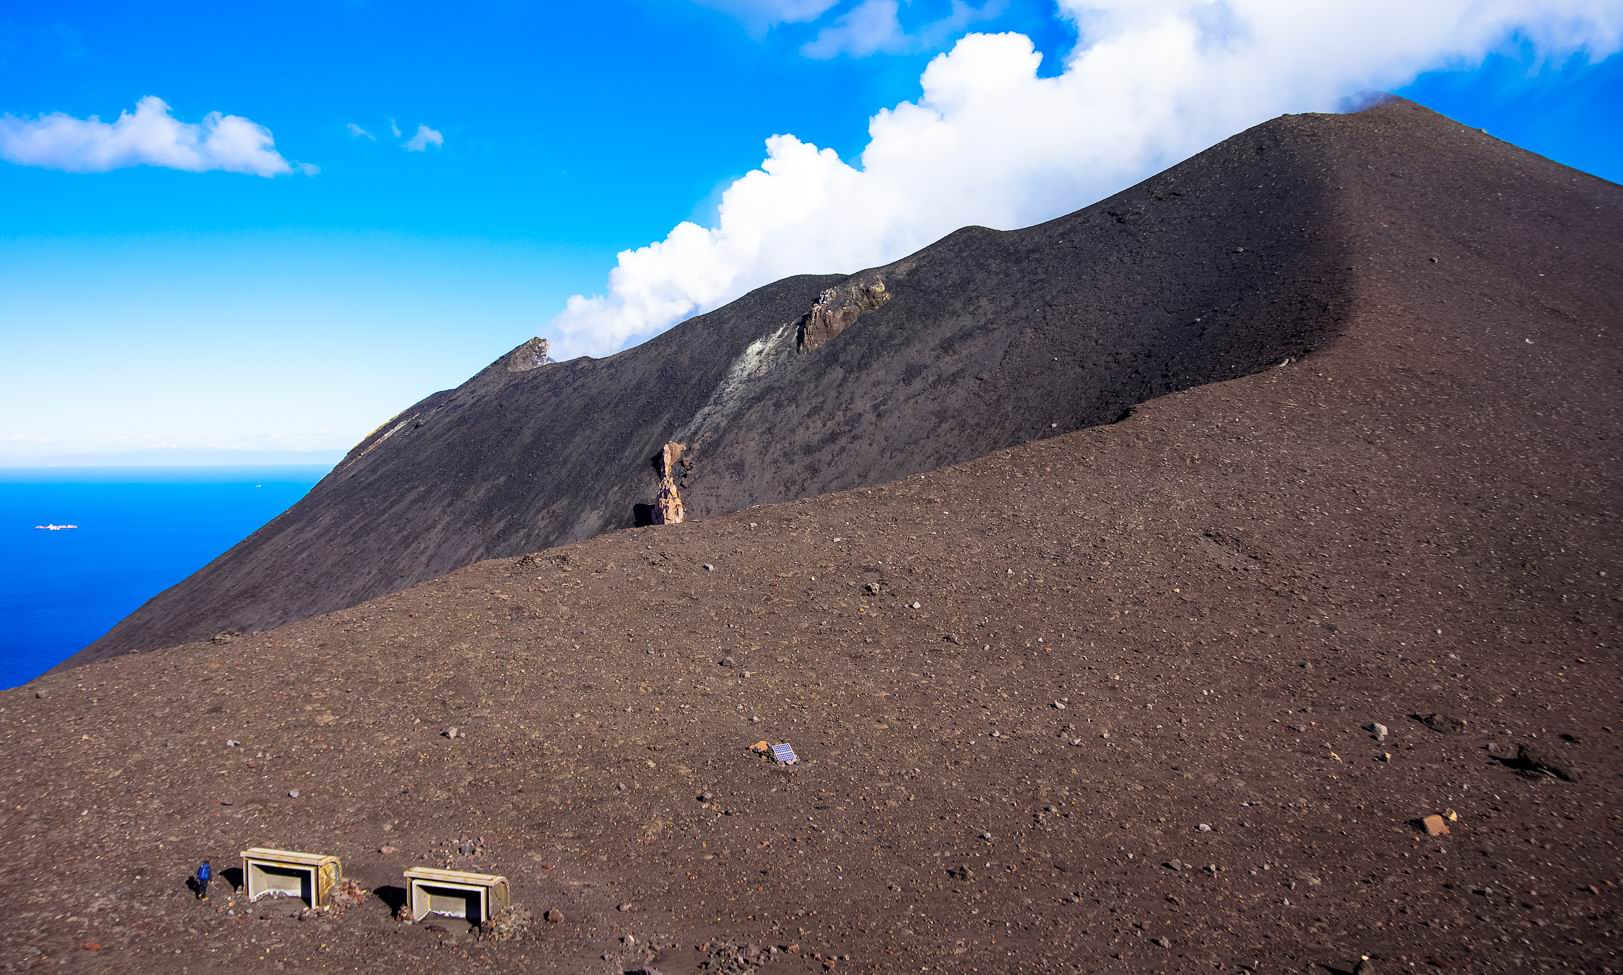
(991, 142)
(423, 138)
(149, 136)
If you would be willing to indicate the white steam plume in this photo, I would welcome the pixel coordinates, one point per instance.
(991, 143)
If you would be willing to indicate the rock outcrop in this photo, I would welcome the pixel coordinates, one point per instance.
(837, 309)
(668, 504)
(534, 354)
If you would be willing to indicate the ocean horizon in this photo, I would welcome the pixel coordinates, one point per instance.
(136, 532)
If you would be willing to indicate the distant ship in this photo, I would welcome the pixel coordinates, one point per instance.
(55, 528)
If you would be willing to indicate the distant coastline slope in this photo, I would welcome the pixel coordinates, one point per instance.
(1247, 255)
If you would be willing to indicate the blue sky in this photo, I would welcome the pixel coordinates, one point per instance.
(151, 313)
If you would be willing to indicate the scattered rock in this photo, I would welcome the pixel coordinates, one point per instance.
(326, 719)
(452, 732)
(508, 925)
(1205, 827)
(1163, 942)
(92, 946)
(1364, 966)
(872, 588)
(39, 694)
(709, 568)
(293, 793)
(387, 850)
(622, 908)
(232, 743)
(706, 796)
(554, 916)
(727, 662)
(1434, 825)
(916, 604)
(1380, 731)
(348, 894)
(1536, 761)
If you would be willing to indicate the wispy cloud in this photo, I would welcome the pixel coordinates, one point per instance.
(149, 136)
(360, 133)
(991, 141)
(423, 138)
(875, 26)
(760, 14)
(394, 128)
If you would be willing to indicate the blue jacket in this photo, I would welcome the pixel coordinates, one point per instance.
(203, 872)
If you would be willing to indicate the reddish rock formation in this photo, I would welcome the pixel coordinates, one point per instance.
(668, 505)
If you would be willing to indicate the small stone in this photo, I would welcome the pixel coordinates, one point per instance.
(1205, 827)
(873, 588)
(1435, 825)
(709, 568)
(92, 946)
(466, 848)
(727, 662)
(1364, 966)
(622, 908)
(554, 916)
(706, 796)
(293, 793)
(1377, 729)
(1163, 942)
(1443, 724)
(326, 719)
(452, 732)
(39, 695)
(1174, 864)
(386, 850)
(232, 743)
(917, 605)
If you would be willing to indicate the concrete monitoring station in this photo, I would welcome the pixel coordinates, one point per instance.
(455, 893)
(310, 877)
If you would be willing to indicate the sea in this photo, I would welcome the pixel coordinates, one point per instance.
(137, 532)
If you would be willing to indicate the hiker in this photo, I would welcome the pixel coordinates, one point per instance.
(203, 875)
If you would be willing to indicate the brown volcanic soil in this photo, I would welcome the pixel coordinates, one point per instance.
(1222, 591)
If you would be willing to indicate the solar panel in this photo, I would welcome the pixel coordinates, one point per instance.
(784, 755)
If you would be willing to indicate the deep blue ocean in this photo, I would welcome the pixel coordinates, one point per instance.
(141, 530)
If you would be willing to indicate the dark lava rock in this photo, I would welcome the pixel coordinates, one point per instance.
(1537, 761)
(1443, 724)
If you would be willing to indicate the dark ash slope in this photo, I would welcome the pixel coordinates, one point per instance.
(1224, 265)
(1223, 591)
